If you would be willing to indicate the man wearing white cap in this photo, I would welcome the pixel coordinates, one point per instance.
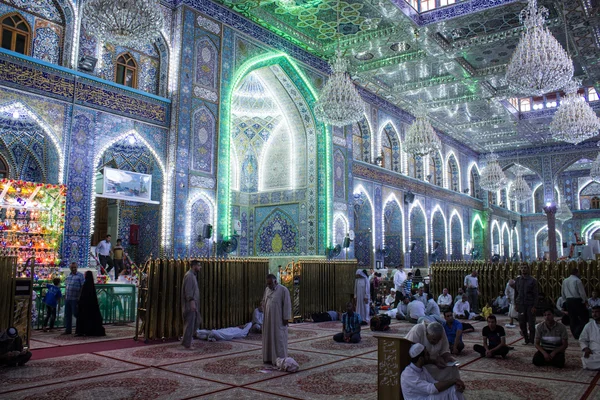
(440, 362)
(418, 384)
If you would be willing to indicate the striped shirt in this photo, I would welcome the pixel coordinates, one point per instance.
(550, 337)
(350, 322)
(74, 283)
(407, 287)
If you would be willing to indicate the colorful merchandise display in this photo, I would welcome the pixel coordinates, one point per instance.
(32, 217)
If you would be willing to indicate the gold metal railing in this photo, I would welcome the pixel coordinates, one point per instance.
(494, 276)
(8, 271)
(230, 289)
(319, 285)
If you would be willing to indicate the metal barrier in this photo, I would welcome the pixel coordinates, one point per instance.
(494, 276)
(8, 269)
(319, 285)
(117, 304)
(230, 290)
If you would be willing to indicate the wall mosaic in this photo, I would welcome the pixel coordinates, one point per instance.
(393, 223)
(438, 229)
(418, 227)
(46, 42)
(456, 234)
(277, 232)
(202, 147)
(339, 174)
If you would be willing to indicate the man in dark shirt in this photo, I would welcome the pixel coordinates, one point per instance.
(494, 340)
(526, 299)
(350, 326)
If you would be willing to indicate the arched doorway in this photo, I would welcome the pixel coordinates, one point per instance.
(363, 224)
(506, 245)
(456, 236)
(393, 233)
(418, 236)
(495, 238)
(438, 239)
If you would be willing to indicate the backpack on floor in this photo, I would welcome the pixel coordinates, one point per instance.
(321, 317)
(380, 322)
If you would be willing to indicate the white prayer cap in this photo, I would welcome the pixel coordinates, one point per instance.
(392, 290)
(415, 350)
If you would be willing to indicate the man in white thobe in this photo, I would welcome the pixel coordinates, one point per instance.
(278, 311)
(362, 294)
(445, 301)
(433, 337)
(432, 311)
(462, 309)
(418, 384)
(190, 303)
(399, 278)
(589, 340)
(415, 310)
(235, 332)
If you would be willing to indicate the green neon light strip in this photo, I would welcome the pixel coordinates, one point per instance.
(225, 218)
(477, 218)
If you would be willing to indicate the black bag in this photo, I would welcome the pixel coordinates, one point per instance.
(321, 317)
(380, 322)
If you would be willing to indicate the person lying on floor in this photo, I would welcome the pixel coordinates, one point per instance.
(350, 326)
(234, 332)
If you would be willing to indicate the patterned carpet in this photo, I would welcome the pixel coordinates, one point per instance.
(234, 370)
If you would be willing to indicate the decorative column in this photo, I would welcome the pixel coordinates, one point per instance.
(551, 215)
(487, 233)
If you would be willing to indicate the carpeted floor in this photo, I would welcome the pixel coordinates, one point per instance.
(116, 367)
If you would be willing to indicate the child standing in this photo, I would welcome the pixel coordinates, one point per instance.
(51, 301)
(118, 255)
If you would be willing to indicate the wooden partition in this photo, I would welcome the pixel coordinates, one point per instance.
(319, 285)
(392, 358)
(493, 277)
(8, 270)
(230, 290)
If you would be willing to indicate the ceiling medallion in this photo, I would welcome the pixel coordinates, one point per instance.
(574, 121)
(492, 177)
(339, 103)
(400, 47)
(520, 190)
(421, 138)
(595, 169)
(563, 213)
(539, 64)
(364, 56)
(123, 22)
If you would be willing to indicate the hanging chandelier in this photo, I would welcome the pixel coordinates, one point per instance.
(574, 121)
(520, 190)
(539, 64)
(339, 103)
(563, 213)
(492, 177)
(421, 138)
(123, 22)
(595, 169)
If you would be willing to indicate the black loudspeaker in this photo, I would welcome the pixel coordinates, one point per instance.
(346, 242)
(87, 64)
(409, 197)
(207, 231)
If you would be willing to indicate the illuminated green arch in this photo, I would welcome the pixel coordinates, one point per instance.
(324, 145)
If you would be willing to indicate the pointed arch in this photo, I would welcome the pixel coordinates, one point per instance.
(502, 238)
(453, 176)
(516, 243)
(438, 209)
(558, 236)
(201, 196)
(451, 239)
(473, 174)
(421, 250)
(496, 228)
(340, 221)
(435, 168)
(18, 107)
(164, 199)
(393, 199)
(395, 153)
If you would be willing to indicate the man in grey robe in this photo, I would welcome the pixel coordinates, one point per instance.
(277, 313)
(190, 304)
(362, 294)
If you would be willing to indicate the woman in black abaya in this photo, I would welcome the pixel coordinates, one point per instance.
(89, 320)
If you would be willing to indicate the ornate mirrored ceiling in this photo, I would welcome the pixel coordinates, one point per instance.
(453, 58)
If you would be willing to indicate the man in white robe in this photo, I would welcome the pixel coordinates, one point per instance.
(589, 340)
(234, 332)
(362, 294)
(278, 311)
(462, 309)
(433, 337)
(418, 384)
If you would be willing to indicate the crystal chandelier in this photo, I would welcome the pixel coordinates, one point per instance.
(339, 103)
(574, 121)
(492, 177)
(563, 213)
(539, 64)
(421, 138)
(123, 22)
(595, 169)
(520, 190)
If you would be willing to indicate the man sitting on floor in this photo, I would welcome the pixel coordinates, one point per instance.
(462, 309)
(454, 331)
(494, 340)
(432, 311)
(459, 295)
(258, 317)
(434, 339)
(415, 310)
(445, 301)
(551, 341)
(12, 353)
(350, 326)
(418, 384)
(500, 305)
(589, 340)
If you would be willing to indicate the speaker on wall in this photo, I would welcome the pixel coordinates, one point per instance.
(409, 197)
(207, 231)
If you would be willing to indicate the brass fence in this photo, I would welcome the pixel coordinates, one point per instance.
(319, 285)
(230, 290)
(7, 291)
(493, 277)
